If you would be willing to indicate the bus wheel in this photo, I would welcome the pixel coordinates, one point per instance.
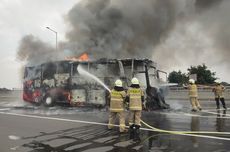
(48, 101)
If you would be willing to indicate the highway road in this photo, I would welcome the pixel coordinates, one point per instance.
(28, 128)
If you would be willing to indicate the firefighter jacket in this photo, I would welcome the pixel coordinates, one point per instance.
(135, 95)
(117, 101)
(218, 91)
(192, 90)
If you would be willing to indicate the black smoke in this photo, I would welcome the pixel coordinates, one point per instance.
(33, 50)
(173, 32)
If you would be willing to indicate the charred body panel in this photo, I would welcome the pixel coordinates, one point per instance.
(61, 81)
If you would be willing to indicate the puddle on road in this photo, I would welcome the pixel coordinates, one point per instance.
(13, 137)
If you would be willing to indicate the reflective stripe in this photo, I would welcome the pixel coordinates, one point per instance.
(135, 108)
(131, 123)
(116, 110)
(137, 97)
(116, 99)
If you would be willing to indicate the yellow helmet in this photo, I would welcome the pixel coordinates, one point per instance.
(191, 81)
(118, 83)
(217, 81)
(135, 81)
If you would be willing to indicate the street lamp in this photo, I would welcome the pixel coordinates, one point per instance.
(55, 34)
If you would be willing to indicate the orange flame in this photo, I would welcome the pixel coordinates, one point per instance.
(82, 57)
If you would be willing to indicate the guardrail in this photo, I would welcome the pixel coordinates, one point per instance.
(204, 93)
(200, 89)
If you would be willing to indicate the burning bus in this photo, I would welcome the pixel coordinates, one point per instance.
(64, 81)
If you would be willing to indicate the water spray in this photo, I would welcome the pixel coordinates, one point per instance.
(89, 75)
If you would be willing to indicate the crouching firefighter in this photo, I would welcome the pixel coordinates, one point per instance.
(117, 98)
(136, 99)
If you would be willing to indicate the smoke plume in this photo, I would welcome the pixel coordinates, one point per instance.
(35, 51)
(117, 28)
(172, 32)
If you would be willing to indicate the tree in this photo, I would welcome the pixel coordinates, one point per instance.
(178, 77)
(204, 75)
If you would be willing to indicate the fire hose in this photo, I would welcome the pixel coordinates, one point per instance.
(189, 133)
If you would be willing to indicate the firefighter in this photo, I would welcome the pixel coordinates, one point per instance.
(193, 95)
(218, 92)
(135, 99)
(117, 98)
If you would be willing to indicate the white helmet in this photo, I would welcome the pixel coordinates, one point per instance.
(191, 81)
(118, 83)
(217, 81)
(135, 81)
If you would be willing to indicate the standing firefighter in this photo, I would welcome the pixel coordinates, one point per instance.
(193, 95)
(218, 92)
(135, 99)
(117, 98)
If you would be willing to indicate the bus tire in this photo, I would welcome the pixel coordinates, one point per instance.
(48, 101)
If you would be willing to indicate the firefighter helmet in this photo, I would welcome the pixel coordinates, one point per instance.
(135, 81)
(217, 81)
(191, 81)
(118, 83)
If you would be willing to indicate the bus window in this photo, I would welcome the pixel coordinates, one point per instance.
(64, 67)
(49, 70)
(113, 70)
(142, 79)
(32, 73)
(63, 74)
(99, 70)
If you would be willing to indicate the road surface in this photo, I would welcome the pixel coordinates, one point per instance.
(27, 128)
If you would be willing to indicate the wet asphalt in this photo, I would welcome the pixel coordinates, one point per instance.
(67, 129)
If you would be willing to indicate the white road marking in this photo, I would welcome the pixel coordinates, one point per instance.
(103, 124)
(193, 115)
(5, 109)
(215, 109)
(210, 112)
(54, 118)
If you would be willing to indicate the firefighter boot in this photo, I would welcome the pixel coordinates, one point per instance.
(131, 131)
(138, 129)
(137, 133)
(194, 110)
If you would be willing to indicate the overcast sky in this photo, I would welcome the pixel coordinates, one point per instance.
(22, 17)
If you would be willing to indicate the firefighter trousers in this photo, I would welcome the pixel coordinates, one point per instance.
(195, 103)
(218, 103)
(135, 117)
(112, 118)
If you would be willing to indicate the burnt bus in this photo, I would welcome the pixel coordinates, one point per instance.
(62, 82)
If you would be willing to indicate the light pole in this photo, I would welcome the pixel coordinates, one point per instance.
(55, 34)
